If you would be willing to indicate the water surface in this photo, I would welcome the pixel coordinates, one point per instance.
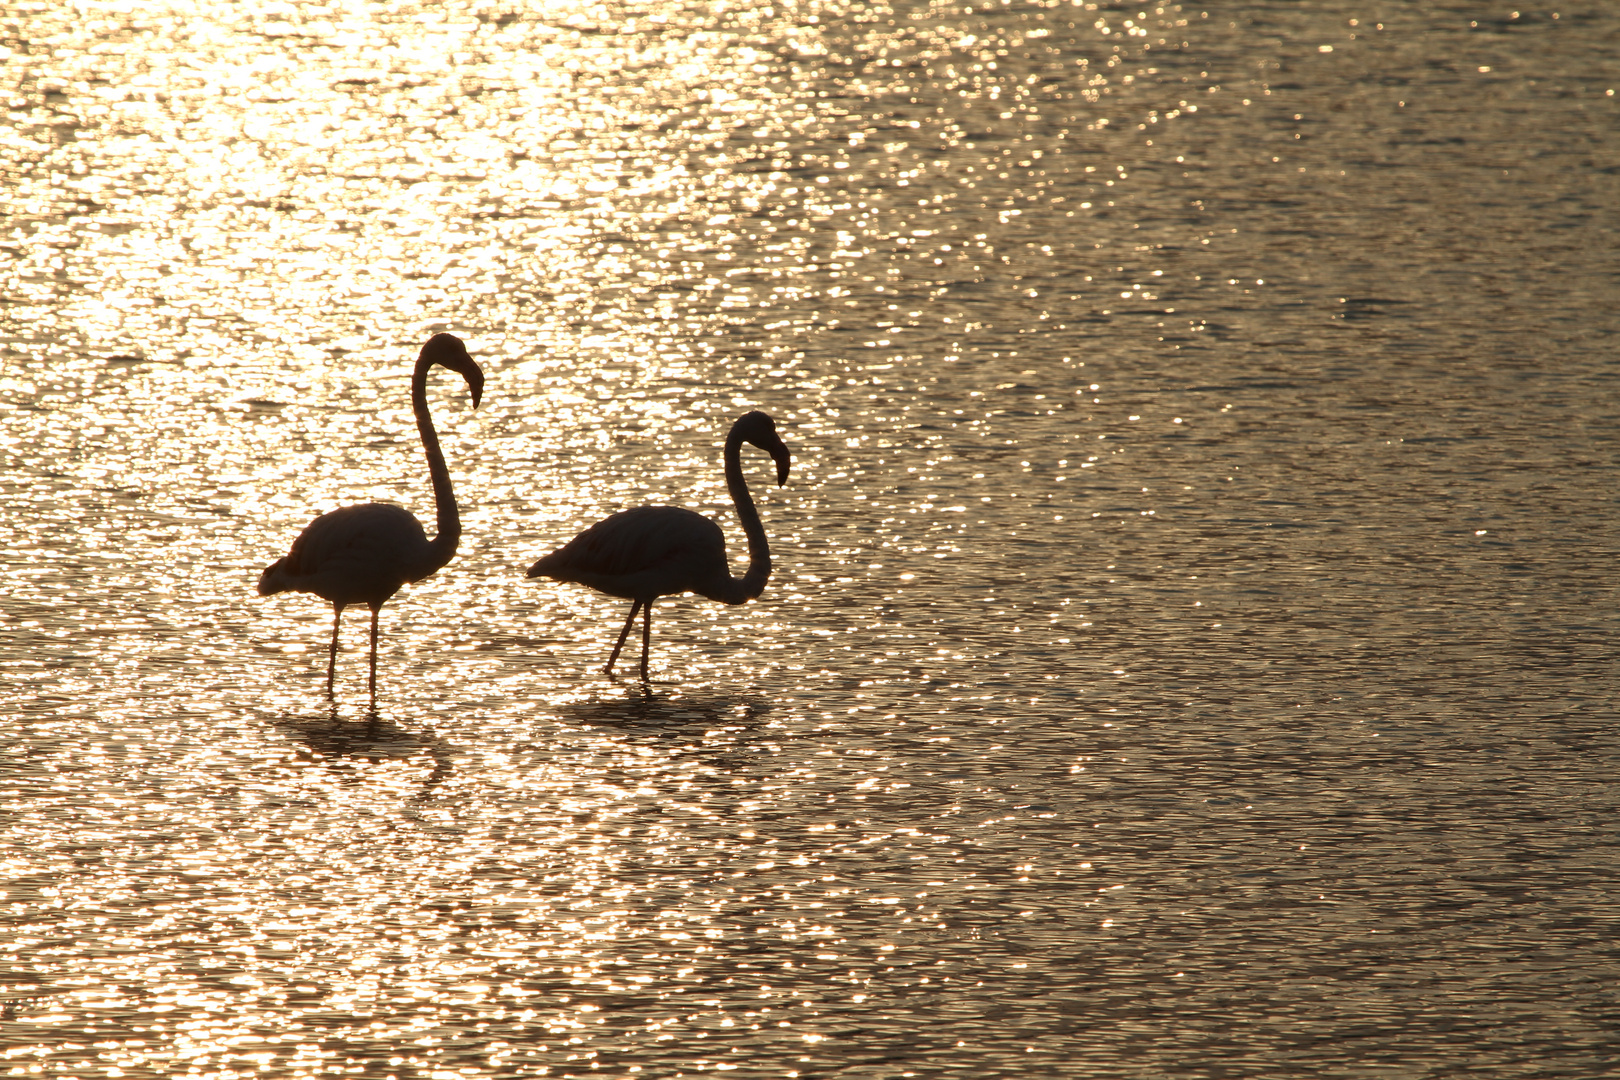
(1190, 649)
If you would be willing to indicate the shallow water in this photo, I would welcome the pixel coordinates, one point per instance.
(1190, 649)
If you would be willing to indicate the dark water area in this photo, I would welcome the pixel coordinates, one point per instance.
(1190, 648)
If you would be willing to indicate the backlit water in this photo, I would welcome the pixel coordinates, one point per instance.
(1191, 649)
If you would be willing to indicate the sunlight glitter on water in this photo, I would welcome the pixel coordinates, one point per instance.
(1188, 613)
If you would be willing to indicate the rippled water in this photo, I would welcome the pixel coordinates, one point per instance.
(1191, 646)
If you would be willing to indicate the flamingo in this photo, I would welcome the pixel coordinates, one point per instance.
(655, 551)
(364, 553)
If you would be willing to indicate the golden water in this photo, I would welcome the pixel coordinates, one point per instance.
(1191, 645)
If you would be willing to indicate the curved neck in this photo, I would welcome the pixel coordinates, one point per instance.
(759, 551)
(444, 499)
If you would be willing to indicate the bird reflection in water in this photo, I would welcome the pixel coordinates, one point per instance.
(667, 716)
(338, 742)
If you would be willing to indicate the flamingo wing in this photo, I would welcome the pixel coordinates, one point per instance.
(354, 554)
(641, 554)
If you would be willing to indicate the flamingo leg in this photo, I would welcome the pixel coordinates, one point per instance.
(646, 636)
(374, 611)
(634, 607)
(331, 653)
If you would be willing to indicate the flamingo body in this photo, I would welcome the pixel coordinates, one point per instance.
(358, 554)
(652, 551)
(643, 554)
(362, 554)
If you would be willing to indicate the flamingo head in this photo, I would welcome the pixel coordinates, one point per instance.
(760, 430)
(449, 351)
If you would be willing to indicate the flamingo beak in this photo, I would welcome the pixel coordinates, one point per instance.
(475, 381)
(780, 453)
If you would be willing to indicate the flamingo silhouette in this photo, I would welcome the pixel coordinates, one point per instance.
(364, 553)
(655, 551)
